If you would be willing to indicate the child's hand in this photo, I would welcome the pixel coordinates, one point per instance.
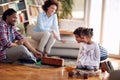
(95, 68)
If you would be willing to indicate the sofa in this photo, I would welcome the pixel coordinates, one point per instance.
(68, 49)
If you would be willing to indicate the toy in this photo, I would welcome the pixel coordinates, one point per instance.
(52, 61)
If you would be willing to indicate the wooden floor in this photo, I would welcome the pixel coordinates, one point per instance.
(19, 72)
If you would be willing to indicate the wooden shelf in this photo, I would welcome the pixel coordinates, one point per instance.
(33, 5)
(65, 32)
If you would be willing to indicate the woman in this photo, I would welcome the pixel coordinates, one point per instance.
(46, 31)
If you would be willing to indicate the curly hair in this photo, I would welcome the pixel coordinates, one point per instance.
(48, 3)
(83, 31)
(78, 31)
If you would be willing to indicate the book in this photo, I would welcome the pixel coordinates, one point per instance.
(25, 16)
(29, 2)
(1, 2)
(5, 1)
(21, 17)
(14, 6)
(1, 10)
(34, 10)
(21, 5)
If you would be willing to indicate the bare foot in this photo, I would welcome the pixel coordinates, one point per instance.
(45, 55)
(38, 54)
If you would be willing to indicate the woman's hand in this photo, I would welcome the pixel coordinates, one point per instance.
(54, 34)
(63, 41)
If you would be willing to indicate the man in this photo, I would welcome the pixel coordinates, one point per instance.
(13, 46)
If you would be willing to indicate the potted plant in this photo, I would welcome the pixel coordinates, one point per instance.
(65, 11)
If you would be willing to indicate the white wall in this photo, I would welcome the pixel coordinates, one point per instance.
(95, 18)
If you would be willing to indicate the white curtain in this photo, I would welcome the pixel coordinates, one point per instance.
(111, 24)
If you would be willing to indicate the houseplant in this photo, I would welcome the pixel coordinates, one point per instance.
(66, 9)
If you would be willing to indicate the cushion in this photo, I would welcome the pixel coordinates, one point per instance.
(70, 25)
(67, 44)
(33, 42)
(30, 28)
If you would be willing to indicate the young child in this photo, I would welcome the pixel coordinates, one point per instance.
(89, 54)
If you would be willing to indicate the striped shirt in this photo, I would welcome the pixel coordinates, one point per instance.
(5, 37)
(103, 52)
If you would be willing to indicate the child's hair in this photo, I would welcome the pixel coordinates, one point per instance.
(83, 31)
(78, 31)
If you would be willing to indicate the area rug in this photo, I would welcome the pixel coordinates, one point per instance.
(67, 62)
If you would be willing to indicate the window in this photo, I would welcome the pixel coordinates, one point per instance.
(78, 9)
(104, 18)
(111, 24)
